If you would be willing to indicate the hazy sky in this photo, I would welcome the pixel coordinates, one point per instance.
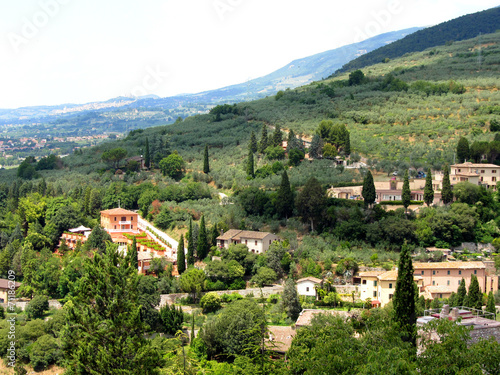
(77, 51)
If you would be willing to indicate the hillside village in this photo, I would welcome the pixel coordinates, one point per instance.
(347, 226)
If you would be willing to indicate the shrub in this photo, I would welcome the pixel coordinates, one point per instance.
(44, 352)
(210, 302)
(37, 307)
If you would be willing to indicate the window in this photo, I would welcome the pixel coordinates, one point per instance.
(481, 179)
(364, 282)
(433, 282)
(459, 272)
(115, 226)
(493, 179)
(433, 272)
(270, 241)
(375, 283)
(255, 242)
(422, 272)
(115, 218)
(307, 289)
(459, 170)
(440, 295)
(375, 294)
(448, 272)
(246, 242)
(475, 272)
(482, 170)
(493, 171)
(132, 227)
(390, 296)
(458, 282)
(448, 282)
(390, 285)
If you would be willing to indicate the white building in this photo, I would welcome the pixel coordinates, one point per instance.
(257, 242)
(307, 286)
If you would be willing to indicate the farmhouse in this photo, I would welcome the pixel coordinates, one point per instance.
(307, 286)
(257, 242)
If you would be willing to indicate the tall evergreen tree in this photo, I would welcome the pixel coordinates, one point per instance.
(406, 193)
(214, 234)
(490, 305)
(134, 261)
(104, 333)
(474, 296)
(263, 139)
(277, 136)
(206, 166)
(404, 297)
(253, 143)
(428, 189)
(203, 245)
(461, 294)
(311, 201)
(190, 250)
(147, 156)
(291, 301)
(250, 165)
(181, 256)
(446, 192)
(315, 147)
(463, 150)
(284, 201)
(368, 192)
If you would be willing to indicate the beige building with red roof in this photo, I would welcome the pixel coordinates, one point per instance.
(257, 242)
(475, 173)
(119, 220)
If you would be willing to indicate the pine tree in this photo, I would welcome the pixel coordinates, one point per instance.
(206, 166)
(446, 192)
(428, 190)
(181, 256)
(263, 140)
(291, 301)
(250, 167)
(406, 193)
(277, 137)
(284, 201)
(490, 305)
(463, 150)
(134, 261)
(474, 296)
(461, 294)
(203, 246)
(253, 143)
(368, 192)
(147, 156)
(190, 250)
(104, 333)
(404, 297)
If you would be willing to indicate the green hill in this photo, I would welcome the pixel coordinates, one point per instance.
(465, 27)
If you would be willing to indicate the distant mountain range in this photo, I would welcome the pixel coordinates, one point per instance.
(297, 73)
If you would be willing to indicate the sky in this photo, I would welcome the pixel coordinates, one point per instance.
(78, 51)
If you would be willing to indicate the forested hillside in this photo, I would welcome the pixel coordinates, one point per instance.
(465, 27)
(229, 169)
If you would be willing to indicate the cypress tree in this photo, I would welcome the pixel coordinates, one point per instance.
(190, 252)
(285, 203)
(463, 150)
(147, 156)
(406, 193)
(315, 147)
(134, 261)
(203, 246)
(291, 301)
(461, 294)
(206, 166)
(475, 296)
(277, 136)
(428, 190)
(291, 141)
(368, 191)
(253, 143)
(446, 192)
(263, 140)
(404, 297)
(490, 305)
(250, 166)
(214, 235)
(181, 256)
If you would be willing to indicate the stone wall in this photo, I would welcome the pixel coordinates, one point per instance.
(257, 292)
(484, 333)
